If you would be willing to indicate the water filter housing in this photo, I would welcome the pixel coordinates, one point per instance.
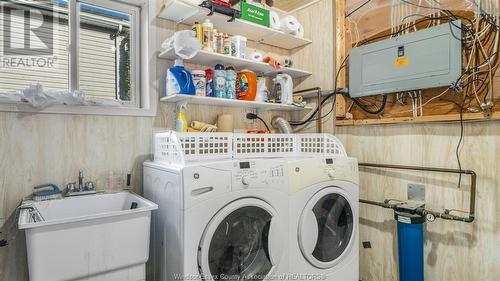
(410, 246)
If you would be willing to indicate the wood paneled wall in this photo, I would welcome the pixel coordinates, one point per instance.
(373, 21)
(453, 250)
(40, 148)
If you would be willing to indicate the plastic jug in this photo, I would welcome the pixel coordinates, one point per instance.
(262, 92)
(246, 85)
(231, 83)
(179, 80)
(208, 35)
(285, 82)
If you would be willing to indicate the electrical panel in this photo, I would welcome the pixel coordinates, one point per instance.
(424, 59)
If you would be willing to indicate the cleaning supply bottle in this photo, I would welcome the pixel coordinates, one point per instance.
(200, 82)
(214, 40)
(181, 124)
(219, 43)
(262, 92)
(209, 74)
(227, 45)
(246, 85)
(208, 35)
(231, 83)
(285, 83)
(219, 81)
(198, 28)
(179, 80)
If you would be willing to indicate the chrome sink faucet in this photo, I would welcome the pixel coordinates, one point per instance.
(80, 181)
(82, 189)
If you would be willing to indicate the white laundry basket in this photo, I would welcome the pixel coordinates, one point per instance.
(177, 148)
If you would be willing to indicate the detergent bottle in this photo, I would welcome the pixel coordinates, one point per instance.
(209, 74)
(219, 81)
(246, 85)
(231, 83)
(179, 80)
(181, 124)
(285, 83)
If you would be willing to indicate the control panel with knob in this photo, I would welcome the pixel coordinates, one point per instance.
(245, 180)
(331, 174)
(258, 174)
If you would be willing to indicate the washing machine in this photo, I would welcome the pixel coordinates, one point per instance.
(324, 220)
(218, 220)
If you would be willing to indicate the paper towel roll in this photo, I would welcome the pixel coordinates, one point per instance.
(274, 20)
(197, 125)
(225, 123)
(256, 56)
(300, 31)
(289, 24)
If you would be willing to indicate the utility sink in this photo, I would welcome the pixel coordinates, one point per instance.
(101, 237)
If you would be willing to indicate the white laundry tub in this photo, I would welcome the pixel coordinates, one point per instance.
(92, 237)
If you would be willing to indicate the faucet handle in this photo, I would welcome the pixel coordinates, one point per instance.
(71, 187)
(90, 186)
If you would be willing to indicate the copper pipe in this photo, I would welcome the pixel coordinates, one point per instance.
(319, 121)
(443, 215)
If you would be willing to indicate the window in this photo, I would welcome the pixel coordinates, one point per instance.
(45, 58)
(107, 49)
(91, 46)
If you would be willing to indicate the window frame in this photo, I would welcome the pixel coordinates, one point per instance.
(145, 98)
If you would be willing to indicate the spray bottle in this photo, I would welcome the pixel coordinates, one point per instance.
(181, 124)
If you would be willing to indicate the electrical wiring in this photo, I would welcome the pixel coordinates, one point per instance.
(447, 12)
(358, 8)
(481, 48)
(412, 25)
(426, 103)
(478, 36)
(332, 108)
(332, 94)
(311, 116)
(462, 135)
(367, 110)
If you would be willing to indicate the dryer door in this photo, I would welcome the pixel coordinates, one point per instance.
(326, 227)
(241, 242)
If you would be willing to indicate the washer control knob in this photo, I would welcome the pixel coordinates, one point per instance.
(331, 174)
(245, 180)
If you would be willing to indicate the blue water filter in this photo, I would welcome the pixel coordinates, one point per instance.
(410, 246)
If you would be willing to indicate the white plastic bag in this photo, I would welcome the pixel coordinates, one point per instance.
(39, 97)
(185, 44)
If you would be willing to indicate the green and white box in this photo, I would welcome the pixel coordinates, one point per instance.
(254, 14)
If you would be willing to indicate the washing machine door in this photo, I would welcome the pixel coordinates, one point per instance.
(241, 242)
(326, 228)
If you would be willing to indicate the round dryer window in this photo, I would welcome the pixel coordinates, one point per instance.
(326, 227)
(236, 243)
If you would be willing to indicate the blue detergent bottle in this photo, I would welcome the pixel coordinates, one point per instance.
(231, 83)
(219, 81)
(179, 80)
